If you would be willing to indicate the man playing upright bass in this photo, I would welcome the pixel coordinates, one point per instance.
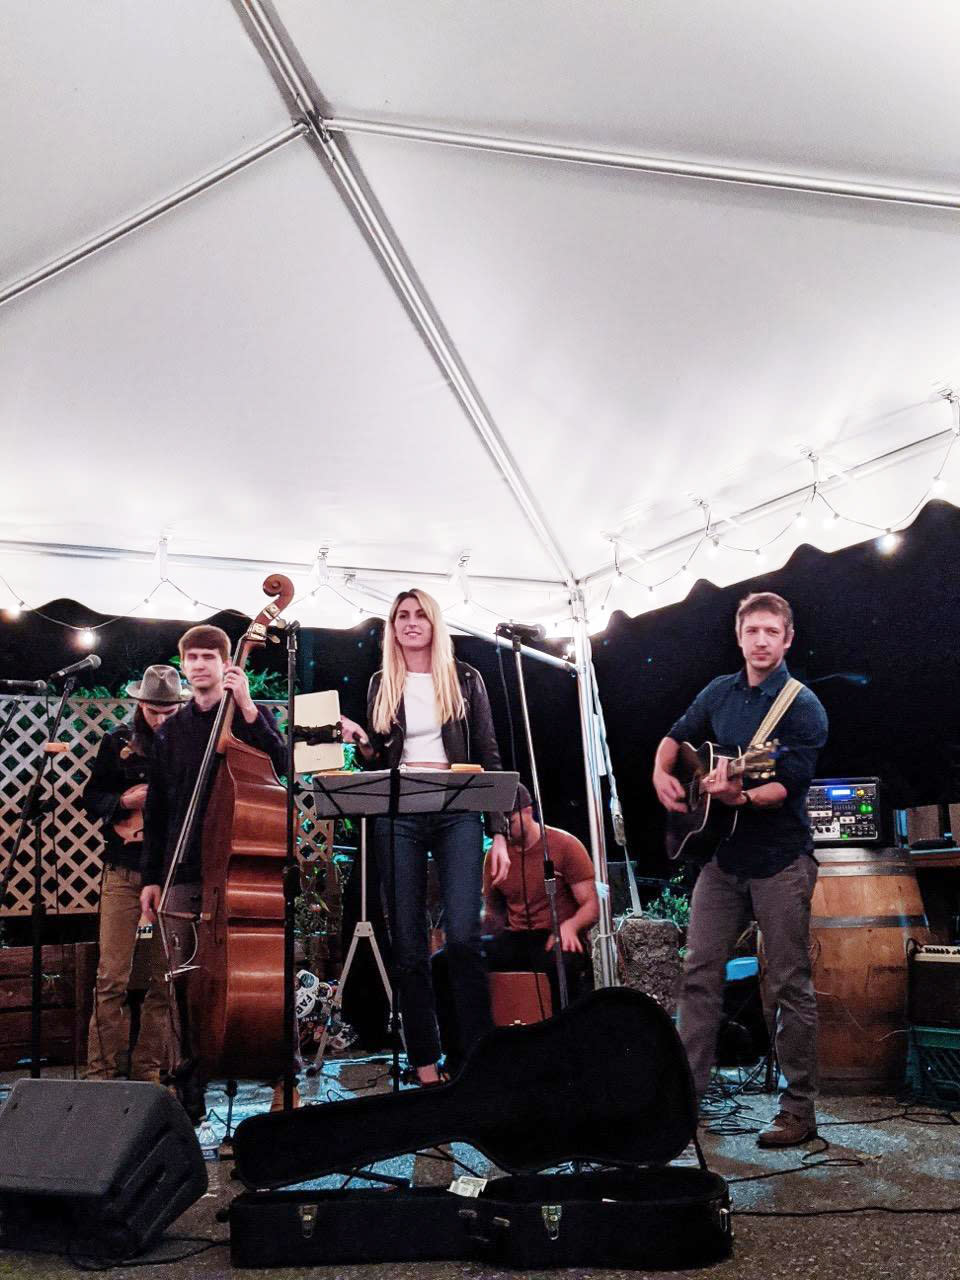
(765, 869)
(178, 754)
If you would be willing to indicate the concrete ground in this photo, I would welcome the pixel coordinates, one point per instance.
(878, 1195)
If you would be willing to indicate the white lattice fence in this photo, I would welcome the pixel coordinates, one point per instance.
(72, 844)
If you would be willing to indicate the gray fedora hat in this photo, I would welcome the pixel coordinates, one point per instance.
(160, 684)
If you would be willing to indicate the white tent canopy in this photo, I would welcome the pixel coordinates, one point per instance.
(651, 269)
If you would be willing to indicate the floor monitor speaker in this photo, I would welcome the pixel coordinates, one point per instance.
(94, 1166)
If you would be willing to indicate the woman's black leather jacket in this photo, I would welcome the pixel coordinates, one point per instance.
(470, 740)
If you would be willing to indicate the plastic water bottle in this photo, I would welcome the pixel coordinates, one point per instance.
(210, 1146)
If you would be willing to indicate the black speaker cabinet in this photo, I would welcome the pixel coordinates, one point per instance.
(99, 1166)
(934, 986)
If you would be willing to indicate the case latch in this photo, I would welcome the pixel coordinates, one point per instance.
(551, 1219)
(308, 1220)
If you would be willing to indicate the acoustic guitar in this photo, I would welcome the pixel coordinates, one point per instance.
(696, 834)
(130, 827)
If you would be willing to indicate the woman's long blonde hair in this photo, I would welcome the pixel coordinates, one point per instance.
(443, 668)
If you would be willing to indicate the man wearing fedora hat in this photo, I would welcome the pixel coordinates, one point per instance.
(116, 794)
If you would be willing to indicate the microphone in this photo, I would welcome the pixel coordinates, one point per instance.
(89, 663)
(23, 686)
(521, 631)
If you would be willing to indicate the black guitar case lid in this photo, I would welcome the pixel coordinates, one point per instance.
(605, 1080)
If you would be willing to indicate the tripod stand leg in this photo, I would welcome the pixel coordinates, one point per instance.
(362, 929)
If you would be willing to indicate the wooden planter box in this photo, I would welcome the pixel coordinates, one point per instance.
(69, 974)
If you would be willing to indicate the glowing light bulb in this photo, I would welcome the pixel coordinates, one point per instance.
(714, 549)
(938, 484)
(760, 555)
(888, 542)
(86, 638)
(801, 521)
(830, 519)
(14, 611)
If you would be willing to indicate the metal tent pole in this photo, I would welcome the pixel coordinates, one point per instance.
(284, 58)
(150, 213)
(669, 166)
(605, 949)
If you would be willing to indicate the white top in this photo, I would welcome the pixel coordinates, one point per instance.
(423, 740)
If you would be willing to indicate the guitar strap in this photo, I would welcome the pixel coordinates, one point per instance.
(781, 705)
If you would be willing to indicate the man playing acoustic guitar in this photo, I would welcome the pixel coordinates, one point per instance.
(765, 869)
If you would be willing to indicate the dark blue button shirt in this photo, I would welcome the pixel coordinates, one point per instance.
(728, 712)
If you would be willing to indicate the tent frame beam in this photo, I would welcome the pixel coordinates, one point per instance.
(860, 470)
(667, 166)
(145, 216)
(284, 60)
(83, 552)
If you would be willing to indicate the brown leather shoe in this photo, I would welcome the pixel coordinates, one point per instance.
(786, 1130)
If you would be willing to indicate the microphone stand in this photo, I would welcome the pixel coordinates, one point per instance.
(34, 811)
(549, 878)
(291, 877)
(15, 704)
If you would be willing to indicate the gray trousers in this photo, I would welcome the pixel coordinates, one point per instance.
(721, 907)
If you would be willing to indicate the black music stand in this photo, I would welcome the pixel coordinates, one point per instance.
(391, 792)
(362, 929)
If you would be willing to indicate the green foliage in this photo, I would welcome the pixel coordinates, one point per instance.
(673, 903)
(97, 691)
(267, 686)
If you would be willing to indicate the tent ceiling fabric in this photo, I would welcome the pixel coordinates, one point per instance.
(241, 375)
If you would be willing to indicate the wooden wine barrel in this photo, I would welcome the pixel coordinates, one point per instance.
(865, 906)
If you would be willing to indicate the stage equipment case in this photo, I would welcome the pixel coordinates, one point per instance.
(604, 1083)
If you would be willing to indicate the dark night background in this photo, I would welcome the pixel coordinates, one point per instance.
(875, 637)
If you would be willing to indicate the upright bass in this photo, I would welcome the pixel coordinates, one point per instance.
(235, 980)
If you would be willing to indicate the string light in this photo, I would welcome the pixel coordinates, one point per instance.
(714, 549)
(86, 638)
(830, 519)
(801, 521)
(888, 542)
(13, 611)
(760, 555)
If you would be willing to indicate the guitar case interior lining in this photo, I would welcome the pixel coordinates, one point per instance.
(605, 1081)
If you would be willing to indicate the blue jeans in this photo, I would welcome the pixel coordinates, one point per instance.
(456, 842)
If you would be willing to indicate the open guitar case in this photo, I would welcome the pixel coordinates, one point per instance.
(603, 1087)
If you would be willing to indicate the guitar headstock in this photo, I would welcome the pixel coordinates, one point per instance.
(759, 762)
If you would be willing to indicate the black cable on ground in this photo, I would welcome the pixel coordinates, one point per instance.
(90, 1262)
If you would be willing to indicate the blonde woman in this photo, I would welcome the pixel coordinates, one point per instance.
(426, 709)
